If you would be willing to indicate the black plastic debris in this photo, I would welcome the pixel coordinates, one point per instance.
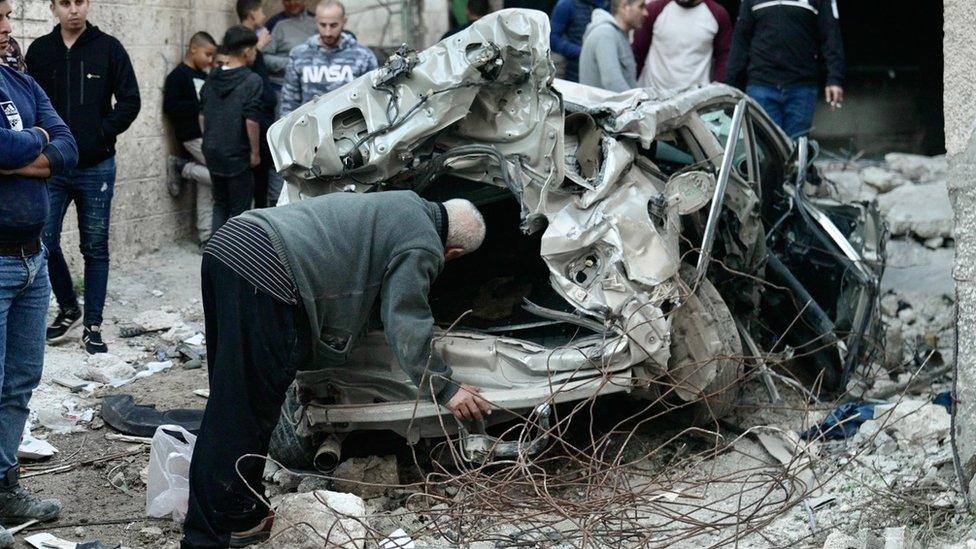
(123, 414)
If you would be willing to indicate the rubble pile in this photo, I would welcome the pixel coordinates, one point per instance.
(913, 197)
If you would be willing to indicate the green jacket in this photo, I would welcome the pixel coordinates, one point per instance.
(344, 250)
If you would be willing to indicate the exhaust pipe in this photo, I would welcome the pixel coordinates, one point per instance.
(329, 452)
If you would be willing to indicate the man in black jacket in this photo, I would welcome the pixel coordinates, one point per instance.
(181, 105)
(777, 54)
(81, 68)
(251, 14)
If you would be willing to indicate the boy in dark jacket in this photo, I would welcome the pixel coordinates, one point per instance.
(251, 14)
(34, 144)
(230, 115)
(181, 105)
(81, 68)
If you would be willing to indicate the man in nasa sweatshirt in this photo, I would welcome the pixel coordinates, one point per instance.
(325, 61)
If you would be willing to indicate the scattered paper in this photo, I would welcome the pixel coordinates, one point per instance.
(34, 448)
(48, 541)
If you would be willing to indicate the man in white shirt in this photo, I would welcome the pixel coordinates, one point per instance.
(683, 43)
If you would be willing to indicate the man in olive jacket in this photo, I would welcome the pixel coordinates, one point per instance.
(290, 287)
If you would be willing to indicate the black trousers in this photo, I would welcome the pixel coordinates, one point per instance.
(232, 196)
(255, 344)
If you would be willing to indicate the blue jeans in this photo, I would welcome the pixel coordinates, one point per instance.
(25, 291)
(791, 108)
(91, 189)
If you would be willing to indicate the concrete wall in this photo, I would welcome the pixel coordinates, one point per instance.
(960, 118)
(144, 216)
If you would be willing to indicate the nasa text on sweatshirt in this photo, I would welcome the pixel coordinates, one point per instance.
(315, 69)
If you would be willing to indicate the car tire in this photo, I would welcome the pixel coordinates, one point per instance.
(722, 392)
(287, 446)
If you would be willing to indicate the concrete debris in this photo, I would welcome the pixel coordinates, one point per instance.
(934, 243)
(156, 320)
(397, 540)
(881, 179)
(196, 339)
(313, 483)
(367, 477)
(850, 187)
(920, 210)
(178, 333)
(840, 540)
(108, 369)
(914, 422)
(919, 168)
(319, 519)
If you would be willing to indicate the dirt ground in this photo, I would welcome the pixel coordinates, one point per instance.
(94, 507)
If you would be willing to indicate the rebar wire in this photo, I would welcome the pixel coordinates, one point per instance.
(638, 482)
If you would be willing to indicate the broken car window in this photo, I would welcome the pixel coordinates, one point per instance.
(719, 121)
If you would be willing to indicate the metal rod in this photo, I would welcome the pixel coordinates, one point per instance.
(802, 158)
(705, 255)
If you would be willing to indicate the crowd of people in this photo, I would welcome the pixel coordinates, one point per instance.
(67, 99)
(263, 69)
(776, 51)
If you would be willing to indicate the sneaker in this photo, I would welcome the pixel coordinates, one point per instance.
(66, 321)
(18, 506)
(92, 340)
(259, 533)
(174, 174)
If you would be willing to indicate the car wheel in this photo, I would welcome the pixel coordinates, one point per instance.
(706, 365)
(287, 446)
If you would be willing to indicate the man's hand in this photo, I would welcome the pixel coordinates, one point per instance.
(264, 38)
(468, 404)
(835, 96)
(255, 159)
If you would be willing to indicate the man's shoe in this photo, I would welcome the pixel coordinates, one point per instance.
(259, 533)
(6, 538)
(18, 506)
(92, 340)
(66, 321)
(174, 174)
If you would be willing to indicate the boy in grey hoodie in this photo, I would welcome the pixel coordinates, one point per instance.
(607, 60)
(325, 61)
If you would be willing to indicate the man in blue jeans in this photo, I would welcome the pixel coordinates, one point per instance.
(81, 68)
(777, 55)
(34, 144)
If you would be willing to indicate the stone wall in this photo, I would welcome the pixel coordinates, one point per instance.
(960, 119)
(144, 216)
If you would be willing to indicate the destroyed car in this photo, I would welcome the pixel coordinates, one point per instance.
(633, 246)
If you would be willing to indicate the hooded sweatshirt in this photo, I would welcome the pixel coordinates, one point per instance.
(316, 70)
(346, 250)
(81, 82)
(607, 60)
(228, 98)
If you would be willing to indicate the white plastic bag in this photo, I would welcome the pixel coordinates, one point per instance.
(168, 488)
